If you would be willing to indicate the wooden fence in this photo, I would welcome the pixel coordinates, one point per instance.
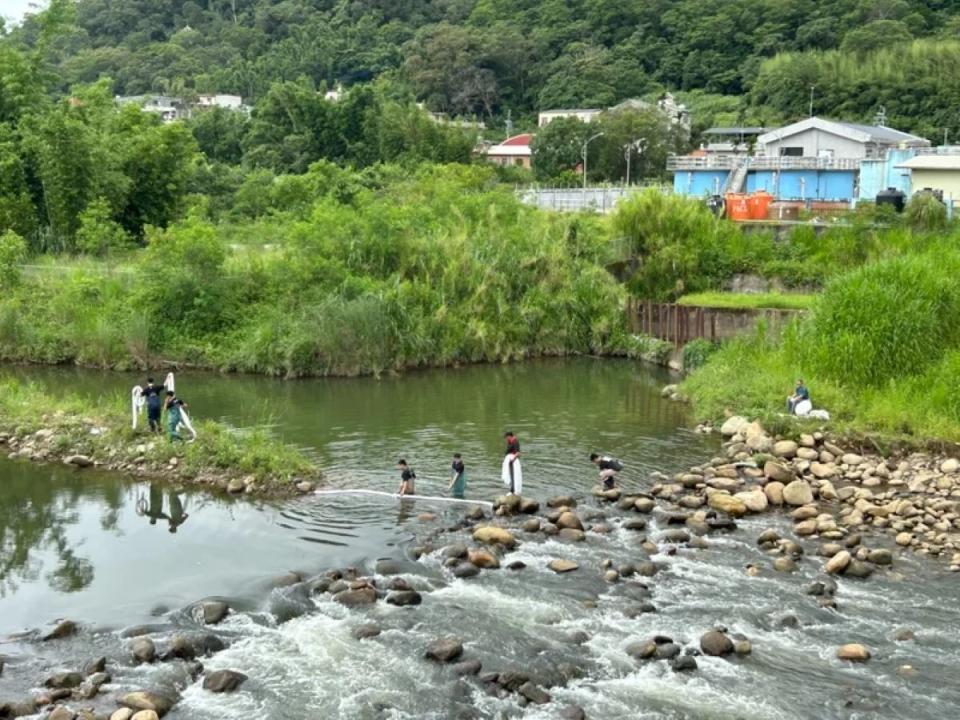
(679, 324)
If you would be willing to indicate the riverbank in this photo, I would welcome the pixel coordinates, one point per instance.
(41, 427)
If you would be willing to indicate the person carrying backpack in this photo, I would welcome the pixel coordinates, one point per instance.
(609, 467)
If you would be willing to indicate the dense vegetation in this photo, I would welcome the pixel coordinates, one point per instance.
(362, 272)
(485, 57)
(880, 348)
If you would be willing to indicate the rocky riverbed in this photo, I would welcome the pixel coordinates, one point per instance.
(689, 512)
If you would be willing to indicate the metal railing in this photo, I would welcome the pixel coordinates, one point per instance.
(601, 199)
(759, 162)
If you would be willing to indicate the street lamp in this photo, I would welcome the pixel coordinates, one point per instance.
(640, 144)
(585, 143)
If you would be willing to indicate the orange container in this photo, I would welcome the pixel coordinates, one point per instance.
(758, 204)
(737, 206)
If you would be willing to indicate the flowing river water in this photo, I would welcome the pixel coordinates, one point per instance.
(111, 554)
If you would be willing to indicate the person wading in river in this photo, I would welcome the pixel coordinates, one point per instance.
(407, 476)
(458, 483)
(172, 406)
(153, 394)
(609, 467)
(511, 472)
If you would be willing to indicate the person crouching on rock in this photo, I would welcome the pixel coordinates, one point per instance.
(407, 476)
(172, 406)
(799, 395)
(609, 467)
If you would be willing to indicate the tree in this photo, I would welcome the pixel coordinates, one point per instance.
(98, 233)
(13, 250)
(557, 147)
(875, 35)
(219, 134)
(658, 136)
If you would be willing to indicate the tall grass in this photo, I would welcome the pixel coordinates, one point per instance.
(880, 350)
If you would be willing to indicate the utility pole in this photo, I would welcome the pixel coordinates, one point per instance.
(585, 144)
(812, 88)
(640, 144)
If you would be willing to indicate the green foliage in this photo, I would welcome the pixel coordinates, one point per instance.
(13, 251)
(884, 320)
(879, 351)
(99, 234)
(366, 272)
(925, 212)
(697, 352)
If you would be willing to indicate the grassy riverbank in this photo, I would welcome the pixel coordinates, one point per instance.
(36, 425)
(880, 349)
(749, 301)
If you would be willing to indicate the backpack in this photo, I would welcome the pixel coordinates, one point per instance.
(615, 464)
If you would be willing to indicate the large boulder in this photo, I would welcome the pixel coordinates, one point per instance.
(854, 652)
(838, 563)
(728, 504)
(774, 492)
(64, 680)
(716, 643)
(755, 500)
(569, 520)
(798, 493)
(484, 559)
(774, 470)
(210, 612)
(494, 535)
(404, 598)
(444, 650)
(223, 681)
(145, 700)
(732, 425)
(823, 470)
(785, 449)
(356, 597)
(562, 566)
(572, 534)
(144, 651)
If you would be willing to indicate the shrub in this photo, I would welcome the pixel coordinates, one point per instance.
(696, 352)
(925, 212)
(13, 250)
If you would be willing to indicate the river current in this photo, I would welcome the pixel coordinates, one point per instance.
(111, 554)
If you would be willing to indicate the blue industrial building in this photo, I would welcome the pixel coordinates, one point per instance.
(814, 159)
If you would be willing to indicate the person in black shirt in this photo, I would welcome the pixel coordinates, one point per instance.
(154, 396)
(609, 467)
(458, 484)
(407, 476)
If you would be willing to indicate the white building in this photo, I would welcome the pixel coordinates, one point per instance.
(583, 115)
(828, 139)
(227, 102)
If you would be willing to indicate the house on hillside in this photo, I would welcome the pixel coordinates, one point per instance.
(813, 159)
(514, 151)
(227, 102)
(675, 112)
(545, 117)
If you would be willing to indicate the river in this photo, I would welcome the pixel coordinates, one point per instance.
(112, 554)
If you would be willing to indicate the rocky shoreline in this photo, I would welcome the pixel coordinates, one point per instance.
(83, 444)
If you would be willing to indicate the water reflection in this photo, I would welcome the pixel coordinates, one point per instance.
(152, 507)
(35, 523)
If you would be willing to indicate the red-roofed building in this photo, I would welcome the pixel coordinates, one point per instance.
(512, 151)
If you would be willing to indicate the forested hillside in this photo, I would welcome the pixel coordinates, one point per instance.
(485, 57)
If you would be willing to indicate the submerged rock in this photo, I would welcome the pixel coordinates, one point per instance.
(484, 559)
(404, 598)
(144, 651)
(444, 650)
(534, 693)
(684, 663)
(562, 566)
(854, 652)
(223, 681)
(64, 680)
(356, 597)
(465, 570)
(367, 630)
(210, 612)
(62, 629)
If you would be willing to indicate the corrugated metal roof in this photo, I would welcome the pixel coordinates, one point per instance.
(734, 131)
